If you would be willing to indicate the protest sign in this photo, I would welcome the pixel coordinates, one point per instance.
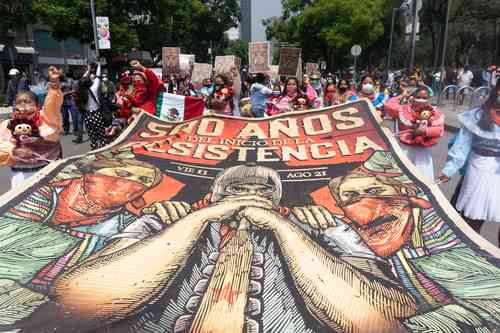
(289, 61)
(171, 60)
(258, 57)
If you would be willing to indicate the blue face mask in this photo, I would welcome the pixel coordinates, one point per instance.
(276, 93)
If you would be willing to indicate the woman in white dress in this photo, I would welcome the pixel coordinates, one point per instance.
(477, 146)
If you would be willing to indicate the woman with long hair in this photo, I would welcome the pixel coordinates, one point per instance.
(292, 99)
(477, 148)
(343, 92)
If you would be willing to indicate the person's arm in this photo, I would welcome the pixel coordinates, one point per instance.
(393, 107)
(436, 129)
(51, 113)
(458, 153)
(236, 82)
(266, 91)
(6, 146)
(97, 81)
(111, 286)
(359, 302)
(153, 81)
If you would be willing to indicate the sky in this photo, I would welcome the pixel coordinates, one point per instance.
(263, 9)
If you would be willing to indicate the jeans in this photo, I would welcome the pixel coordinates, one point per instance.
(77, 118)
(258, 112)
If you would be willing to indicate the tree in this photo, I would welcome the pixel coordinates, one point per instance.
(328, 28)
(238, 48)
(15, 14)
(149, 25)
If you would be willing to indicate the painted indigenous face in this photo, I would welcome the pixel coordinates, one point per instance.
(378, 212)
(262, 190)
(116, 186)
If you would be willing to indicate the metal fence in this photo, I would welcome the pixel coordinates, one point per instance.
(471, 97)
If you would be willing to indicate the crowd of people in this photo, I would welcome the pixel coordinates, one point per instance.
(95, 103)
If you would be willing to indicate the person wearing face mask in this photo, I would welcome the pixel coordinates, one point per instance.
(27, 154)
(90, 98)
(292, 99)
(330, 97)
(259, 93)
(367, 91)
(419, 126)
(344, 94)
(477, 147)
(225, 97)
(273, 99)
(207, 89)
(316, 84)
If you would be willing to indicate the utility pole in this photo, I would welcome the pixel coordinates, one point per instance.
(445, 37)
(388, 65)
(94, 25)
(413, 35)
(445, 41)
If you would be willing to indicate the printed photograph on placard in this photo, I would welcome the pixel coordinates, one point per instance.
(171, 60)
(289, 61)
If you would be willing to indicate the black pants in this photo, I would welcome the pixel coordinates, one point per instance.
(65, 112)
(95, 124)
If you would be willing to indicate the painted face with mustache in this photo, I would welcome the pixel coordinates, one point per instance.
(378, 212)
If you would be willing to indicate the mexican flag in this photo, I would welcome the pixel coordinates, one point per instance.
(172, 107)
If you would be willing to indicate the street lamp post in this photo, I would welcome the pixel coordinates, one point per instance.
(94, 26)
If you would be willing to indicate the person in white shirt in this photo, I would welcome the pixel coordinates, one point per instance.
(465, 77)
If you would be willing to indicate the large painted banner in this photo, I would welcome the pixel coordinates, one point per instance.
(305, 222)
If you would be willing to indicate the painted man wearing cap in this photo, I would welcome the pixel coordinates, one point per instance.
(397, 222)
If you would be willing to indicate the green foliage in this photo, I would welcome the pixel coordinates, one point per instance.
(147, 24)
(14, 14)
(328, 28)
(238, 48)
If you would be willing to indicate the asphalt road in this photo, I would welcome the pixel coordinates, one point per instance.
(489, 231)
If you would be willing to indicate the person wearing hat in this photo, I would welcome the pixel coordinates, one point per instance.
(316, 84)
(477, 148)
(16, 84)
(440, 271)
